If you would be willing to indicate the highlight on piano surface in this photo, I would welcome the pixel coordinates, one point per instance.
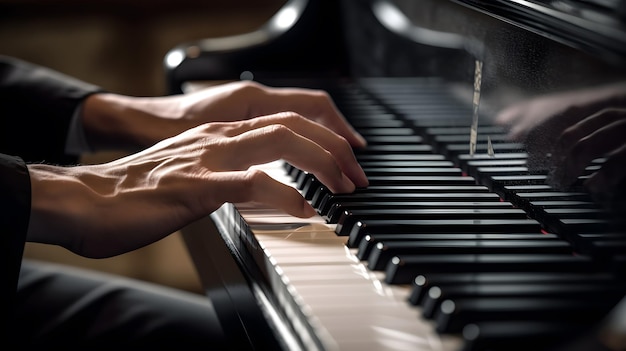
(494, 219)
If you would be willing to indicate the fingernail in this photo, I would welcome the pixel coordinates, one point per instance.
(347, 184)
(362, 141)
(308, 210)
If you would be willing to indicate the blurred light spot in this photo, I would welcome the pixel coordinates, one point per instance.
(471, 332)
(174, 58)
(285, 18)
(246, 75)
(447, 307)
(434, 292)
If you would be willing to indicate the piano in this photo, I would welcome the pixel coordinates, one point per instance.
(449, 248)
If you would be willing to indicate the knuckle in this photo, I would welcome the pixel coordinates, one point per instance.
(289, 116)
(247, 89)
(321, 94)
(568, 137)
(582, 150)
(249, 85)
(279, 131)
(253, 178)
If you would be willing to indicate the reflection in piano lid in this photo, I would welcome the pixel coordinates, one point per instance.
(515, 248)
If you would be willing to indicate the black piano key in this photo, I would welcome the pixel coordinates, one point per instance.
(301, 179)
(421, 180)
(405, 163)
(400, 157)
(464, 158)
(482, 226)
(527, 188)
(569, 228)
(452, 316)
(294, 172)
(595, 244)
(463, 130)
(349, 217)
(384, 251)
(605, 248)
(403, 269)
(472, 167)
(423, 282)
(310, 185)
(337, 209)
(321, 192)
(369, 241)
(388, 123)
(392, 139)
(465, 138)
(580, 212)
(412, 171)
(398, 149)
(520, 335)
(528, 197)
(510, 191)
(496, 162)
(552, 216)
(482, 148)
(386, 131)
(393, 189)
(581, 290)
(497, 182)
(541, 204)
(329, 200)
(485, 175)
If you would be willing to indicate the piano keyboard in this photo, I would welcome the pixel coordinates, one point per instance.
(442, 251)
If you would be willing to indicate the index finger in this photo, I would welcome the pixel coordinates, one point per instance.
(256, 186)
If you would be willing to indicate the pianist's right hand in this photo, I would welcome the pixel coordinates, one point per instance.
(107, 209)
(133, 123)
(563, 133)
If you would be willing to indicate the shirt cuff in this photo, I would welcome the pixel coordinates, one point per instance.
(76, 142)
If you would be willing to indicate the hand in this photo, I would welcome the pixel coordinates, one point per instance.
(600, 135)
(114, 121)
(539, 121)
(108, 209)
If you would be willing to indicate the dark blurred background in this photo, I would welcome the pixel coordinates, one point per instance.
(119, 45)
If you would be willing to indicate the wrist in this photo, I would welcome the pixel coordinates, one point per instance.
(118, 122)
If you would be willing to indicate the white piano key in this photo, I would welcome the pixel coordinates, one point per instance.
(322, 286)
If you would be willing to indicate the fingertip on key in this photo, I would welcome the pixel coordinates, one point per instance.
(307, 210)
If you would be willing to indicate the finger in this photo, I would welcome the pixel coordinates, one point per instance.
(337, 146)
(600, 142)
(258, 187)
(277, 141)
(604, 184)
(316, 105)
(540, 140)
(585, 127)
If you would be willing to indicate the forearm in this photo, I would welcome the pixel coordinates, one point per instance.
(98, 211)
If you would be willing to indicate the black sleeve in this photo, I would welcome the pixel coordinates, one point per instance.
(14, 215)
(36, 107)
